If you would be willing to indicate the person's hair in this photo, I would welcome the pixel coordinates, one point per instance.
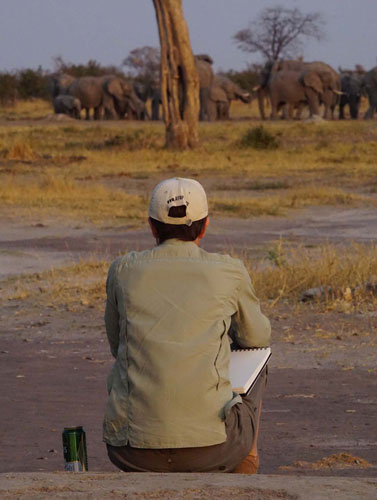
(178, 231)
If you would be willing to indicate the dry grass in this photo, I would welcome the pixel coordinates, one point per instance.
(98, 203)
(77, 285)
(342, 460)
(95, 203)
(283, 275)
(34, 109)
(295, 198)
(107, 164)
(343, 272)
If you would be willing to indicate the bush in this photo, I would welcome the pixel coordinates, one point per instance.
(32, 83)
(246, 79)
(259, 138)
(23, 84)
(8, 88)
(91, 68)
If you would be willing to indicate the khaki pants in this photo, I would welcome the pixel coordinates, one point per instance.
(224, 457)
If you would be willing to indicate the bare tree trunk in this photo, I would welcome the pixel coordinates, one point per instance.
(261, 97)
(179, 77)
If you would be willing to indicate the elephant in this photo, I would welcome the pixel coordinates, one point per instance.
(322, 86)
(142, 90)
(203, 64)
(150, 91)
(351, 84)
(107, 95)
(268, 71)
(146, 91)
(369, 88)
(285, 90)
(134, 109)
(320, 83)
(89, 90)
(218, 104)
(119, 98)
(156, 101)
(221, 93)
(139, 111)
(58, 84)
(67, 105)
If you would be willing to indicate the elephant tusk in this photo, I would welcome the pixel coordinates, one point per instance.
(339, 93)
(256, 88)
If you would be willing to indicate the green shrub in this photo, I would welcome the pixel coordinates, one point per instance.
(259, 138)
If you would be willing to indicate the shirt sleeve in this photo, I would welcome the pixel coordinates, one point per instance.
(111, 312)
(249, 327)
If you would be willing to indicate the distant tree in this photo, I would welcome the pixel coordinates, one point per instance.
(179, 77)
(143, 64)
(247, 78)
(279, 32)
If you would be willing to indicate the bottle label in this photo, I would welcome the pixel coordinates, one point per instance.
(75, 466)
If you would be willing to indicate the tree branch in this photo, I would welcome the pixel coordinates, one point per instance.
(278, 30)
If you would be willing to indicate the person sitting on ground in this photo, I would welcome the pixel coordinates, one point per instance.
(170, 314)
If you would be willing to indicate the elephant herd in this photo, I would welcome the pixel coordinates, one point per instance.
(108, 96)
(289, 85)
(292, 85)
(113, 97)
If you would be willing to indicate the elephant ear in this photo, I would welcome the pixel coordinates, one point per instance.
(217, 94)
(311, 79)
(127, 89)
(114, 88)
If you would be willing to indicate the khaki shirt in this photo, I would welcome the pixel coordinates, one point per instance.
(168, 312)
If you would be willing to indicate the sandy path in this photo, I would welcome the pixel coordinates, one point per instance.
(37, 244)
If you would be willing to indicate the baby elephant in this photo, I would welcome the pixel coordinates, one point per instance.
(67, 105)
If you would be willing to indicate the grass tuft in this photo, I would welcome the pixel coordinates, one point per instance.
(132, 141)
(259, 138)
(20, 151)
(349, 273)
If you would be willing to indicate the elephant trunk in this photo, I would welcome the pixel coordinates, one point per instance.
(244, 97)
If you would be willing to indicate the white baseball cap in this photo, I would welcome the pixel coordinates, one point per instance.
(176, 192)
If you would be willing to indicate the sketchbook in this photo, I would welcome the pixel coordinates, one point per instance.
(245, 366)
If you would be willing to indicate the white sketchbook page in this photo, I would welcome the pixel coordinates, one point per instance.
(245, 366)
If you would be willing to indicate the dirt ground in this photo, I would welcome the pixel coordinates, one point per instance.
(149, 486)
(320, 409)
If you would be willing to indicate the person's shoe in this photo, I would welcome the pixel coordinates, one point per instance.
(249, 465)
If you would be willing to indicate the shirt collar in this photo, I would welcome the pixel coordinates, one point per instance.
(175, 241)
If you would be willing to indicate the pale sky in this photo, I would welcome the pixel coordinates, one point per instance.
(33, 32)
